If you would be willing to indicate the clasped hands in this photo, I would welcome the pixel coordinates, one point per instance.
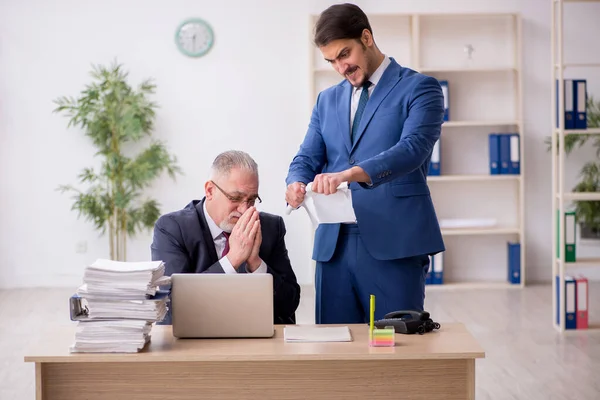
(245, 240)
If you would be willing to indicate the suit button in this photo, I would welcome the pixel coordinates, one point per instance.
(351, 161)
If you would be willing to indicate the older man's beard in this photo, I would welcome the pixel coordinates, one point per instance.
(227, 225)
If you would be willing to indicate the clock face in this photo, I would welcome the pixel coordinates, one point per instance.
(194, 37)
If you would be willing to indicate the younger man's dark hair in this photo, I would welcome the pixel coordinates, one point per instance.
(340, 21)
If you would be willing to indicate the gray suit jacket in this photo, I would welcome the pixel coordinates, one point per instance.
(182, 240)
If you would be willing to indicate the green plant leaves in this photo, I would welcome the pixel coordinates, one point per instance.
(587, 212)
(114, 115)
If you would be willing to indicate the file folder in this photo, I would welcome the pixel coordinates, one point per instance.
(570, 303)
(580, 89)
(446, 92)
(514, 262)
(569, 220)
(514, 166)
(570, 225)
(581, 283)
(558, 300)
(504, 153)
(494, 150)
(434, 163)
(79, 311)
(569, 104)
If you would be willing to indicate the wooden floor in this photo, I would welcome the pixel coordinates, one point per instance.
(525, 357)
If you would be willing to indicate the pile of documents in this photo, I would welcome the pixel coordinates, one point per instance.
(119, 302)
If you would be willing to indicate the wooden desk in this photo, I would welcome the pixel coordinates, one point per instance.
(437, 365)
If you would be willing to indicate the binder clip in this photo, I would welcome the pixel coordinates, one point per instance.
(78, 309)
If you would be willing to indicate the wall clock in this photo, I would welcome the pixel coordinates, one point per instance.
(194, 37)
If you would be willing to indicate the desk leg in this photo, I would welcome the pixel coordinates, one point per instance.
(38, 381)
(471, 379)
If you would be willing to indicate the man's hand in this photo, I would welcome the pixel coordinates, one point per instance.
(254, 260)
(294, 195)
(329, 182)
(242, 238)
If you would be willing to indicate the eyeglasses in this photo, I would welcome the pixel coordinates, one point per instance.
(237, 199)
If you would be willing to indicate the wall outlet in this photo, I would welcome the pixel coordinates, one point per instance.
(81, 247)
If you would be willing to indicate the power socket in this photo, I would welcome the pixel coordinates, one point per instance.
(81, 247)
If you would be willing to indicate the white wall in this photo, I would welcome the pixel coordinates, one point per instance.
(251, 92)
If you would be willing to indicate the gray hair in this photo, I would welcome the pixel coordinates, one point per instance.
(226, 161)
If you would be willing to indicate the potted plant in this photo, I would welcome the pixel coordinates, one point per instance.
(587, 212)
(115, 117)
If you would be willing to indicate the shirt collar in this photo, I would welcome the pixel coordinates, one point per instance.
(215, 231)
(376, 76)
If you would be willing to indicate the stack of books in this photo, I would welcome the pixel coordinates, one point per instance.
(117, 305)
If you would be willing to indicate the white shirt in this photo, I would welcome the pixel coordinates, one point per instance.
(374, 79)
(220, 240)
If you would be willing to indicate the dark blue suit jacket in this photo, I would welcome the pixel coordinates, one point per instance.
(182, 240)
(400, 124)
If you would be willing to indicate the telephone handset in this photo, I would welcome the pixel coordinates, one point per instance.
(408, 322)
(418, 315)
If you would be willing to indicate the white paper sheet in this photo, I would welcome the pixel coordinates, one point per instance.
(328, 209)
(306, 334)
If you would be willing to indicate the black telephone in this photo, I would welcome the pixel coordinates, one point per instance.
(408, 322)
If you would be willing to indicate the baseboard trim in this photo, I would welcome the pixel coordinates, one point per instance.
(41, 281)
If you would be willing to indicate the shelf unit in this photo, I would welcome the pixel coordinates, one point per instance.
(485, 97)
(560, 197)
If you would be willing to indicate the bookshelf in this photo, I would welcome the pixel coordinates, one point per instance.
(485, 96)
(563, 199)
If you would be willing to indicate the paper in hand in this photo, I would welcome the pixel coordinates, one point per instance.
(328, 209)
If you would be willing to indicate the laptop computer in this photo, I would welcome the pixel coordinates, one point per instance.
(222, 305)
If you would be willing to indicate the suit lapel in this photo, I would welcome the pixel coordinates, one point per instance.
(208, 240)
(388, 80)
(343, 97)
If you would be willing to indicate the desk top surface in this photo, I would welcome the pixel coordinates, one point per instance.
(451, 341)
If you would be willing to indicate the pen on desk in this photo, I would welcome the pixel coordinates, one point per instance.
(372, 309)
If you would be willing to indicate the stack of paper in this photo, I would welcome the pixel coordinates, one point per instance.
(121, 336)
(123, 280)
(147, 309)
(121, 305)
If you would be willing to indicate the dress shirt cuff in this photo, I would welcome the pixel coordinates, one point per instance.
(262, 268)
(226, 265)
